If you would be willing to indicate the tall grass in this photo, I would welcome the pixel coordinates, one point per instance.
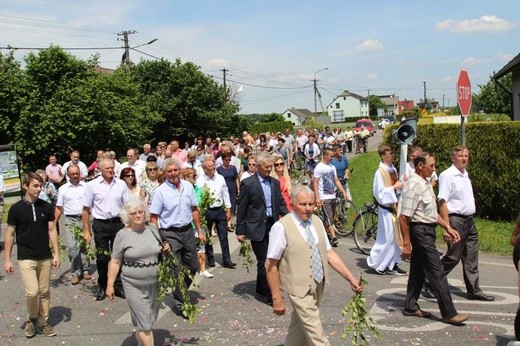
(493, 235)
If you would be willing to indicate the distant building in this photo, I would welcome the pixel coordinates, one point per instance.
(391, 102)
(431, 105)
(297, 116)
(512, 67)
(347, 107)
(406, 105)
(104, 70)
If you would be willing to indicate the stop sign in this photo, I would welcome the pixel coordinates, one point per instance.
(464, 93)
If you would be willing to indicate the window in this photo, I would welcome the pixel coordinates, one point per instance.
(338, 116)
(288, 115)
(337, 105)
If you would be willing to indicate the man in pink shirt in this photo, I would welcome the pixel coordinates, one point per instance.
(54, 171)
(177, 153)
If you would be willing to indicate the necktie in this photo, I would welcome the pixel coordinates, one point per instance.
(317, 267)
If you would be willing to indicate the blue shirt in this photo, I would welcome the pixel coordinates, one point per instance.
(173, 206)
(266, 188)
(341, 166)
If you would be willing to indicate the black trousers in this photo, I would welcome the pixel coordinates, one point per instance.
(260, 250)
(217, 216)
(466, 250)
(104, 234)
(425, 262)
(184, 248)
(349, 146)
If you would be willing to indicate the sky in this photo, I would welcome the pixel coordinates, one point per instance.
(273, 49)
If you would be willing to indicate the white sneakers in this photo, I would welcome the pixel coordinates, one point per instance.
(206, 274)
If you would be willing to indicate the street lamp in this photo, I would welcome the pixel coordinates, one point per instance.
(316, 89)
(145, 44)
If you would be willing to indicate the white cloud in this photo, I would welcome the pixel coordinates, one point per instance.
(447, 79)
(373, 76)
(370, 45)
(472, 61)
(491, 24)
(217, 63)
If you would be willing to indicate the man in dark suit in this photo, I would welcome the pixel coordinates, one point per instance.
(260, 204)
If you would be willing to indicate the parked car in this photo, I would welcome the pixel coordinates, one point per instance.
(367, 123)
(390, 119)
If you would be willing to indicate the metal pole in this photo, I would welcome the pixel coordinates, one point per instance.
(402, 161)
(462, 131)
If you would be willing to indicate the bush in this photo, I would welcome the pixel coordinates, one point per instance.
(277, 126)
(494, 161)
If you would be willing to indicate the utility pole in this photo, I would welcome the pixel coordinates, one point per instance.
(443, 102)
(315, 96)
(225, 87)
(424, 87)
(126, 56)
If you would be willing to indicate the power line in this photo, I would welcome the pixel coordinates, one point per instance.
(64, 48)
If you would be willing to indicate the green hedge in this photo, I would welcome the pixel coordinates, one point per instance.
(277, 126)
(494, 161)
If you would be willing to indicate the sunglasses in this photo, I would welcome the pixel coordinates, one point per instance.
(151, 169)
(129, 175)
(279, 164)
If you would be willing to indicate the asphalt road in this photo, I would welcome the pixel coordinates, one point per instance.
(230, 314)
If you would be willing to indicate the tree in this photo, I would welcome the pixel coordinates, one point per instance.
(12, 91)
(72, 107)
(189, 102)
(270, 118)
(491, 98)
(375, 103)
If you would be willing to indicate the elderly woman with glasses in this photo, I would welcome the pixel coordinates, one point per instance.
(152, 177)
(136, 250)
(128, 176)
(281, 173)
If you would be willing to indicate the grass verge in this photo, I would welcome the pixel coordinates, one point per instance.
(493, 235)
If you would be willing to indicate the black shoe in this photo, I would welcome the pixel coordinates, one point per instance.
(211, 264)
(230, 265)
(428, 293)
(269, 300)
(101, 295)
(481, 296)
(118, 292)
(334, 242)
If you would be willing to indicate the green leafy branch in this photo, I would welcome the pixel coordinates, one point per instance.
(172, 279)
(81, 243)
(359, 325)
(206, 201)
(245, 252)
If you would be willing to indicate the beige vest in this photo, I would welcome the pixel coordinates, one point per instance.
(295, 266)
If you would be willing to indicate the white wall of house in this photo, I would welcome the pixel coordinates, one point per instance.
(293, 118)
(347, 108)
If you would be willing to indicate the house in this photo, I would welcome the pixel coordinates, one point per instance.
(512, 67)
(391, 102)
(406, 105)
(347, 107)
(297, 116)
(431, 105)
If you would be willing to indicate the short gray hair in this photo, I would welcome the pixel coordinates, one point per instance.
(298, 189)
(263, 156)
(132, 204)
(171, 162)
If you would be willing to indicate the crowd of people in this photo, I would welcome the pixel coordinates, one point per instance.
(149, 204)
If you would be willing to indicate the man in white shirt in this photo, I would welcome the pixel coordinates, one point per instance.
(146, 152)
(137, 165)
(70, 204)
(104, 197)
(457, 204)
(74, 159)
(301, 139)
(216, 214)
(326, 182)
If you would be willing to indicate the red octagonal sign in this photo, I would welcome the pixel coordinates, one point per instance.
(464, 93)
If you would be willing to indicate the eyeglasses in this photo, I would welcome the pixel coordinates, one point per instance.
(191, 157)
(139, 212)
(279, 164)
(252, 164)
(151, 169)
(192, 176)
(129, 175)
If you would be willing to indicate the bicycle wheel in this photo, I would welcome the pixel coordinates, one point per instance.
(344, 215)
(365, 230)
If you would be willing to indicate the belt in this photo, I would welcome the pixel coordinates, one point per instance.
(140, 265)
(177, 229)
(74, 216)
(459, 215)
(215, 208)
(424, 224)
(112, 220)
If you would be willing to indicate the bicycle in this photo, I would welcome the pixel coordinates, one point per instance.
(346, 211)
(365, 228)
